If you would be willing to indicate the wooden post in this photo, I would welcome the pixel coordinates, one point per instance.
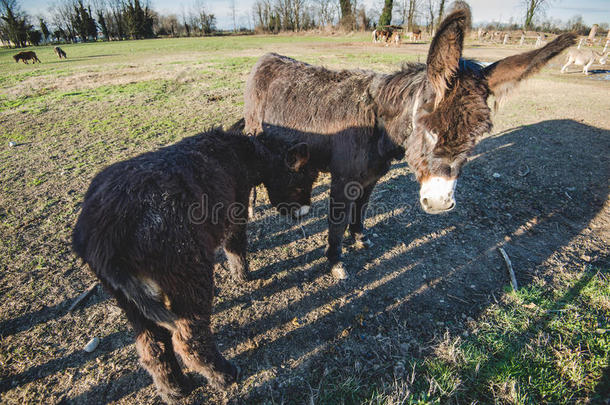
(539, 40)
(505, 39)
(592, 33)
(522, 40)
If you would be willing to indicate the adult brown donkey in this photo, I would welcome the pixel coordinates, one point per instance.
(356, 122)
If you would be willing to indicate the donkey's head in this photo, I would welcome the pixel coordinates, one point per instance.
(450, 110)
(287, 176)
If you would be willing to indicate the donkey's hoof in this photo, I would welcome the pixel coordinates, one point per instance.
(338, 271)
(358, 241)
(241, 277)
(223, 380)
(363, 243)
(174, 393)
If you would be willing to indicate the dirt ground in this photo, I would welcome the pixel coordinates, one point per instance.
(536, 186)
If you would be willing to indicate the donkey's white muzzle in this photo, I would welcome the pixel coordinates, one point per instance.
(436, 195)
(301, 212)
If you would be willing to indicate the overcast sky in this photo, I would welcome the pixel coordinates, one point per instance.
(592, 11)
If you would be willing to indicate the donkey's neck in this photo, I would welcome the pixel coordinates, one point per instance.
(397, 96)
(259, 162)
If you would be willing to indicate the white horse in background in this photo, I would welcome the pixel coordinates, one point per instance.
(585, 58)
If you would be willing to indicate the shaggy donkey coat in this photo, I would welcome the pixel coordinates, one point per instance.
(149, 228)
(356, 121)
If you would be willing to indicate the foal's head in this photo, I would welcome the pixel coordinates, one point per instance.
(450, 111)
(288, 176)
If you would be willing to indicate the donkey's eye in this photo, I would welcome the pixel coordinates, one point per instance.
(428, 107)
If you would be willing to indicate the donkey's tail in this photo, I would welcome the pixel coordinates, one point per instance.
(148, 297)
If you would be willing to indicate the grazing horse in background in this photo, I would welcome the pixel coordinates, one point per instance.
(584, 58)
(414, 35)
(149, 229)
(395, 38)
(382, 35)
(59, 52)
(356, 121)
(25, 56)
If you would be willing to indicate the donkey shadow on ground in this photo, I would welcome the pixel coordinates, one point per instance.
(530, 189)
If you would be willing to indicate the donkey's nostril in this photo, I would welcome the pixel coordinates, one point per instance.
(424, 202)
(451, 206)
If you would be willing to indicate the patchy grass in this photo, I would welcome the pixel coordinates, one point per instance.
(539, 345)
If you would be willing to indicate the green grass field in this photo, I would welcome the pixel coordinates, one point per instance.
(385, 337)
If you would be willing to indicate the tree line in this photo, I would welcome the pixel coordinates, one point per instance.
(92, 20)
(77, 21)
(296, 15)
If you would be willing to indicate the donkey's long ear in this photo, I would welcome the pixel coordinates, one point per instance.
(505, 74)
(297, 156)
(445, 52)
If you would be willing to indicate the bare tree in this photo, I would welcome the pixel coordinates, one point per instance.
(441, 12)
(533, 9)
(233, 8)
(430, 19)
(262, 11)
(167, 25)
(326, 12)
(298, 10)
(63, 18)
(199, 19)
(407, 9)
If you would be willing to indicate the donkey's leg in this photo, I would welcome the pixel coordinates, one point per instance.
(565, 67)
(154, 345)
(356, 226)
(192, 336)
(195, 343)
(338, 218)
(156, 352)
(252, 202)
(235, 246)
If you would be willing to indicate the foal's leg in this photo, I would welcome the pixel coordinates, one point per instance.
(565, 67)
(252, 203)
(235, 246)
(154, 346)
(192, 336)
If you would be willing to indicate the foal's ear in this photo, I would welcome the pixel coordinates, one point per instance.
(505, 74)
(297, 156)
(445, 52)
